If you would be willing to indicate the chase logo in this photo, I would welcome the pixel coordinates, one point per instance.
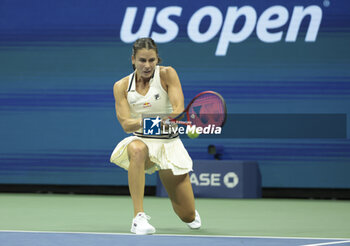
(151, 126)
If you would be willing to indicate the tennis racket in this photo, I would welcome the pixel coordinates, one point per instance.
(206, 108)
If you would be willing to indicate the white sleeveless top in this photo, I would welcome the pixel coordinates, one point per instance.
(155, 102)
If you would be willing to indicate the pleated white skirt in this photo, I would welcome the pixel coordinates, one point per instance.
(165, 153)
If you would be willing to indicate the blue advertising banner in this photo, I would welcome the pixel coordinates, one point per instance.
(223, 179)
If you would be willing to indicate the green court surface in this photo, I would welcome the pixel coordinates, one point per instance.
(231, 217)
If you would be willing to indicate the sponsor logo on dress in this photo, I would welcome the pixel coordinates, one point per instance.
(147, 105)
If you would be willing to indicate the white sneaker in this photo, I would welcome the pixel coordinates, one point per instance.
(196, 224)
(141, 226)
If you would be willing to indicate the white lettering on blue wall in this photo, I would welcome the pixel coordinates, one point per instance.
(264, 25)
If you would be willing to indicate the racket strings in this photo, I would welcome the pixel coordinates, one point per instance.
(207, 109)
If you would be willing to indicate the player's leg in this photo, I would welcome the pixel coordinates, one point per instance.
(139, 161)
(180, 192)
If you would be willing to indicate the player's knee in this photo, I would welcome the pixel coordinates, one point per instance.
(137, 150)
(188, 216)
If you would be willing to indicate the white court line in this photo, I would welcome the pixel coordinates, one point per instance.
(328, 243)
(177, 235)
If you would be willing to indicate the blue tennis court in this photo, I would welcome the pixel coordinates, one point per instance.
(20, 238)
(96, 220)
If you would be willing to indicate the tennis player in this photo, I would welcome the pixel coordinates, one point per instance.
(152, 89)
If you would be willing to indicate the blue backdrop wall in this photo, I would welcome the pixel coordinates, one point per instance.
(282, 66)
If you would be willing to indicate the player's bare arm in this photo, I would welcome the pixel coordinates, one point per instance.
(122, 107)
(171, 81)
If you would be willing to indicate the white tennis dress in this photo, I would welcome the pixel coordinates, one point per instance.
(167, 153)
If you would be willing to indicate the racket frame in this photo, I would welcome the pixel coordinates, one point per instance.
(186, 111)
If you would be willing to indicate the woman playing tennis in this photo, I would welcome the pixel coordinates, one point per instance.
(152, 89)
